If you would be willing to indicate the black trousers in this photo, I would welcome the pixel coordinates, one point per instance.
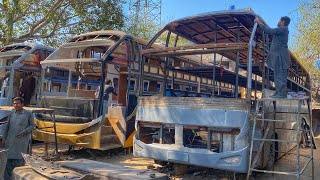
(11, 164)
(280, 79)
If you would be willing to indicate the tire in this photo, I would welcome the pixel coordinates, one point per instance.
(315, 122)
(161, 163)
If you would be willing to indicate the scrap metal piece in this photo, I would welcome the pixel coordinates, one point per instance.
(54, 171)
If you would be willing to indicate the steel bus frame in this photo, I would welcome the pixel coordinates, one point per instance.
(99, 131)
(18, 54)
(117, 128)
(218, 126)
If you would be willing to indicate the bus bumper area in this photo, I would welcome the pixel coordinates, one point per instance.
(236, 161)
(87, 140)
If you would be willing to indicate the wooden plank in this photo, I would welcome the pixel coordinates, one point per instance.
(197, 51)
(33, 109)
(194, 103)
(201, 46)
(107, 170)
(71, 60)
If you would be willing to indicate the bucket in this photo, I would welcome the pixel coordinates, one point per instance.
(3, 161)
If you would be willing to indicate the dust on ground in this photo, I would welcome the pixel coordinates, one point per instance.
(124, 157)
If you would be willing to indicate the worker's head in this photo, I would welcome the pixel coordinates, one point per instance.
(108, 82)
(284, 21)
(18, 103)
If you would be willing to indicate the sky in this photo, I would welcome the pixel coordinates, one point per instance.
(270, 10)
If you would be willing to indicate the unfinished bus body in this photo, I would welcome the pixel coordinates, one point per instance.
(16, 59)
(70, 79)
(211, 126)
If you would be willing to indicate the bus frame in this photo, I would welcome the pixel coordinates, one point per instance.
(234, 35)
(120, 118)
(16, 50)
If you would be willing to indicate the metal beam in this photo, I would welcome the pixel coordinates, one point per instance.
(249, 69)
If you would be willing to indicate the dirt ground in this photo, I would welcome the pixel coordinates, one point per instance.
(125, 158)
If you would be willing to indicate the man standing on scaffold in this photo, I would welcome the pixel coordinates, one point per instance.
(278, 57)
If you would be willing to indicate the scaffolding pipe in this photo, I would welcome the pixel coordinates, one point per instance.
(237, 65)
(214, 64)
(249, 84)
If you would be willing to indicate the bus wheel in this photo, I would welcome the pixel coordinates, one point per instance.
(315, 122)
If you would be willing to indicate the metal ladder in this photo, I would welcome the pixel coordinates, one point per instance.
(268, 126)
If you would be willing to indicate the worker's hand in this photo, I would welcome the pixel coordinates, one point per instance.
(256, 20)
(23, 133)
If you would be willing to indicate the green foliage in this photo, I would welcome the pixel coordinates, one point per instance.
(307, 39)
(52, 21)
(307, 44)
(173, 42)
(141, 28)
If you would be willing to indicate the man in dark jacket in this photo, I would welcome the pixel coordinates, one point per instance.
(108, 89)
(278, 57)
(27, 88)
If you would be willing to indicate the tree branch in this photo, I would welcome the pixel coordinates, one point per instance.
(51, 35)
(44, 21)
(1, 7)
(55, 27)
(23, 13)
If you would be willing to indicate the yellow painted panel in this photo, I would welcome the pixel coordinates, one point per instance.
(87, 140)
(119, 131)
(65, 128)
(129, 141)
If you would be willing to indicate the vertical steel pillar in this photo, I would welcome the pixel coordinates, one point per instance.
(298, 139)
(165, 74)
(43, 71)
(141, 71)
(255, 87)
(263, 61)
(178, 135)
(102, 83)
(69, 81)
(214, 63)
(237, 65)
(249, 69)
(130, 58)
(268, 69)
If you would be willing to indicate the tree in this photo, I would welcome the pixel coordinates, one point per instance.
(52, 21)
(143, 29)
(307, 40)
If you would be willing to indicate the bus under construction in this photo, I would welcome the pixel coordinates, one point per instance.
(203, 116)
(71, 75)
(20, 63)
